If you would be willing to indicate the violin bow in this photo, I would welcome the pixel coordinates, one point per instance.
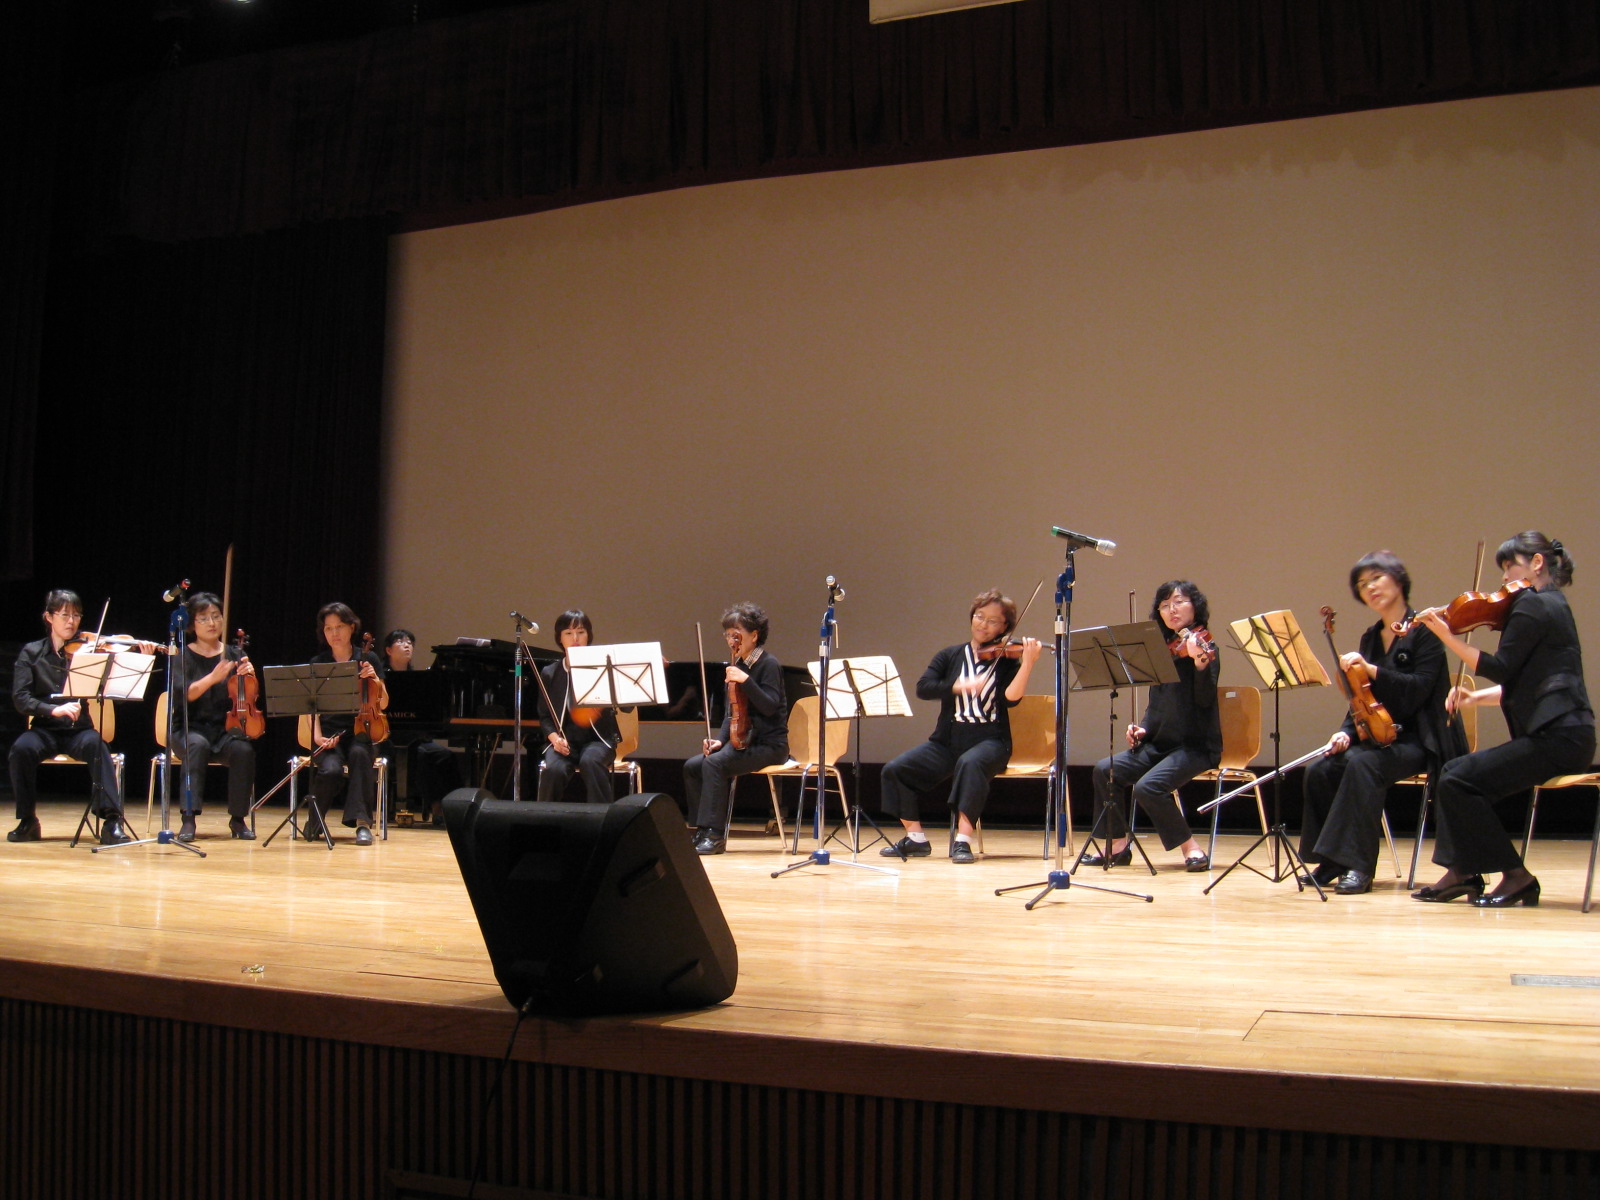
(227, 588)
(992, 667)
(705, 695)
(1461, 674)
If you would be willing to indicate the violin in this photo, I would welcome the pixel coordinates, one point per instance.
(738, 707)
(1373, 722)
(370, 719)
(1473, 610)
(998, 650)
(112, 643)
(1201, 636)
(244, 716)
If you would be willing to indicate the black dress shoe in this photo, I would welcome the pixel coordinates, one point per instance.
(240, 829)
(1202, 863)
(711, 841)
(1353, 883)
(1122, 858)
(363, 836)
(111, 833)
(961, 852)
(906, 848)
(1471, 886)
(1527, 895)
(1323, 874)
(186, 833)
(27, 830)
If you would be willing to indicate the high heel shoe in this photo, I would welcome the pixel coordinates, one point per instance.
(1472, 887)
(1527, 895)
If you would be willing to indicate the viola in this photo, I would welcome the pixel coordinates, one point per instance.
(1373, 722)
(1473, 610)
(738, 707)
(244, 716)
(370, 719)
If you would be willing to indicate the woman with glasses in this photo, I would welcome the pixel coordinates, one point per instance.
(208, 664)
(1179, 737)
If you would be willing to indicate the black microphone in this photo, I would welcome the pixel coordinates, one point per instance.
(175, 592)
(533, 626)
(1085, 541)
(833, 586)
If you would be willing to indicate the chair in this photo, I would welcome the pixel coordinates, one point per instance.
(801, 763)
(1239, 710)
(1591, 779)
(1033, 756)
(297, 762)
(159, 760)
(1469, 725)
(103, 716)
(627, 743)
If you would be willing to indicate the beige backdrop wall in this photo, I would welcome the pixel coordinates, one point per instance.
(1248, 356)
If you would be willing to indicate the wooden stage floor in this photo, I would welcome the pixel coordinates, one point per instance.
(1257, 1005)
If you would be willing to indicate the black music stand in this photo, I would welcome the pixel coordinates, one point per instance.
(1060, 878)
(307, 690)
(1277, 649)
(1108, 657)
(867, 685)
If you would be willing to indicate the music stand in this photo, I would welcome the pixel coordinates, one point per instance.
(867, 685)
(622, 675)
(1277, 649)
(1060, 878)
(1107, 657)
(307, 690)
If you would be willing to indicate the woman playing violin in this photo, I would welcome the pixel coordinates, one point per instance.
(581, 740)
(975, 682)
(708, 776)
(1537, 679)
(1345, 789)
(208, 664)
(334, 733)
(1180, 736)
(59, 726)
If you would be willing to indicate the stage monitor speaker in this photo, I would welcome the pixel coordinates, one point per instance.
(589, 908)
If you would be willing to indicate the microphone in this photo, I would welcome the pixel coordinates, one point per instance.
(1084, 541)
(533, 626)
(175, 592)
(833, 586)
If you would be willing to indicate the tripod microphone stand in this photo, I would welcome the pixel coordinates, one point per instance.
(1060, 879)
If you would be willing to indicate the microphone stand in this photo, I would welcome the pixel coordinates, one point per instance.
(821, 857)
(521, 656)
(1060, 879)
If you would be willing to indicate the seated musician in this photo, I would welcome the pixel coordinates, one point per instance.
(1345, 789)
(334, 733)
(437, 771)
(976, 682)
(208, 664)
(708, 776)
(59, 726)
(582, 739)
(1181, 736)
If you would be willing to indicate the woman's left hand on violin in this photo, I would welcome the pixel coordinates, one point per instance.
(1351, 660)
(736, 674)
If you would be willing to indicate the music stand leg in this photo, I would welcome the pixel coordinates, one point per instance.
(1279, 838)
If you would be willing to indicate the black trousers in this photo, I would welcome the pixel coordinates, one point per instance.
(1154, 775)
(238, 754)
(1472, 840)
(329, 779)
(1343, 819)
(970, 763)
(592, 761)
(708, 779)
(36, 745)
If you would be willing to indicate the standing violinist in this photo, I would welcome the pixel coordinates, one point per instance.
(975, 682)
(1345, 789)
(1180, 736)
(334, 734)
(58, 726)
(208, 664)
(579, 739)
(758, 677)
(1537, 679)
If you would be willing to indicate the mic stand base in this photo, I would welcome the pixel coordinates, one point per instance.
(163, 838)
(822, 858)
(1060, 881)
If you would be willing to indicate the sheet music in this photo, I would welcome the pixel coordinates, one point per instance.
(620, 675)
(125, 673)
(841, 697)
(875, 682)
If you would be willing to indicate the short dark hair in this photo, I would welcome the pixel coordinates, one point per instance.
(1202, 606)
(59, 598)
(1530, 542)
(752, 618)
(346, 615)
(1384, 562)
(573, 616)
(195, 603)
(1008, 606)
(399, 635)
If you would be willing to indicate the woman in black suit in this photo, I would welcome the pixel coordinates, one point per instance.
(1537, 678)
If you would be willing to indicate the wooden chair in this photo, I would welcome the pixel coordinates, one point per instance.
(1239, 710)
(103, 716)
(159, 760)
(1033, 756)
(1591, 779)
(802, 763)
(1469, 724)
(380, 764)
